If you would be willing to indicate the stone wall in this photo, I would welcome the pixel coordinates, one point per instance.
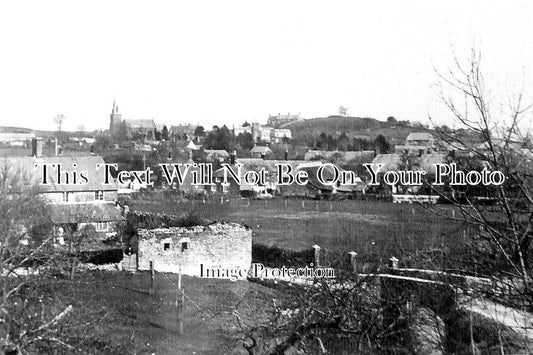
(221, 245)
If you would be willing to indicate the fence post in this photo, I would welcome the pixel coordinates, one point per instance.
(179, 304)
(393, 263)
(317, 255)
(353, 261)
(152, 274)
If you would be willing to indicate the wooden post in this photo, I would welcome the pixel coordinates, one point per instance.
(285, 203)
(393, 263)
(152, 274)
(179, 304)
(331, 206)
(353, 261)
(316, 205)
(303, 204)
(317, 255)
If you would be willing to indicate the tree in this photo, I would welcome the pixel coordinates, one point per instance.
(503, 244)
(59, 119)
(245, 140)
(26, 241)
(391, 120)
(164, 133)
(199, 131)
(381, 143)
(220, 138)
(343, 111)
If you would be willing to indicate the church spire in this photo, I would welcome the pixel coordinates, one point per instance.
(115, 107)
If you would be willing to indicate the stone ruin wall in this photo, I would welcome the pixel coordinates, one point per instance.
(221, 245)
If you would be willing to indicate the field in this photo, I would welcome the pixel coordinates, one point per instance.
(130, 320)
(367, 227)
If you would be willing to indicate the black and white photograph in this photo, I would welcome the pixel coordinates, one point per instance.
(278, 178)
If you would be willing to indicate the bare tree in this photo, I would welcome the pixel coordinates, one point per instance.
(343, 111)
(34, 317)
(495, 141)
(59, 119)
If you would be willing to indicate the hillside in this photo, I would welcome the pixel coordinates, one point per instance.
(362, 127)
(7, 129)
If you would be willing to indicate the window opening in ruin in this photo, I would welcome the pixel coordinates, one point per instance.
(184, 246)
(166, 246)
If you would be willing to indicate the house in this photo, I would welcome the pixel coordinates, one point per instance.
(260, 152)
(244, 189)
(278, 120)
(18, 139)
(183, 131)
(192, 251)
(74, 200)
(278, 135)
(420, 139)
(219, 155)
(418, 143)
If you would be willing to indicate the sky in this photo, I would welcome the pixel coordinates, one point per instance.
(224, 62)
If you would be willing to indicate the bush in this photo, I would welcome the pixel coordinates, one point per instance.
(277, 257)
(109, 256)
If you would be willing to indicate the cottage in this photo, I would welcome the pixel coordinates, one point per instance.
(80, 198)
(260, 152)
(221, 245)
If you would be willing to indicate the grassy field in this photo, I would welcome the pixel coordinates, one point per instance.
(137, 322)
(369, 228)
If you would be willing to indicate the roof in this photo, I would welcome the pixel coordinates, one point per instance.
(32, 169)
(348, 155)
(389, 161)
(219, 152)
(257, 164)
(426, 161)
(260, 149)
(84, 213)
(191, 146)
(141, 124)
(419, 136)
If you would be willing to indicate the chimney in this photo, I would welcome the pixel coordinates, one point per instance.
(232, 157)
(37, 147)
(286, 154)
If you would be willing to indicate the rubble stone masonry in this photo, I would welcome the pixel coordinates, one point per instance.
(221, 245)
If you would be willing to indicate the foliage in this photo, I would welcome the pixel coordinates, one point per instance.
(274, 256)
(32, 319)
(381, 143)
(220, 138)
(245, 140)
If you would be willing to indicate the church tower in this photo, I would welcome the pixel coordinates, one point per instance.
(115, 122)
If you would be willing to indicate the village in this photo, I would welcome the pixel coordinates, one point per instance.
(280, 178)
(140, 200)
